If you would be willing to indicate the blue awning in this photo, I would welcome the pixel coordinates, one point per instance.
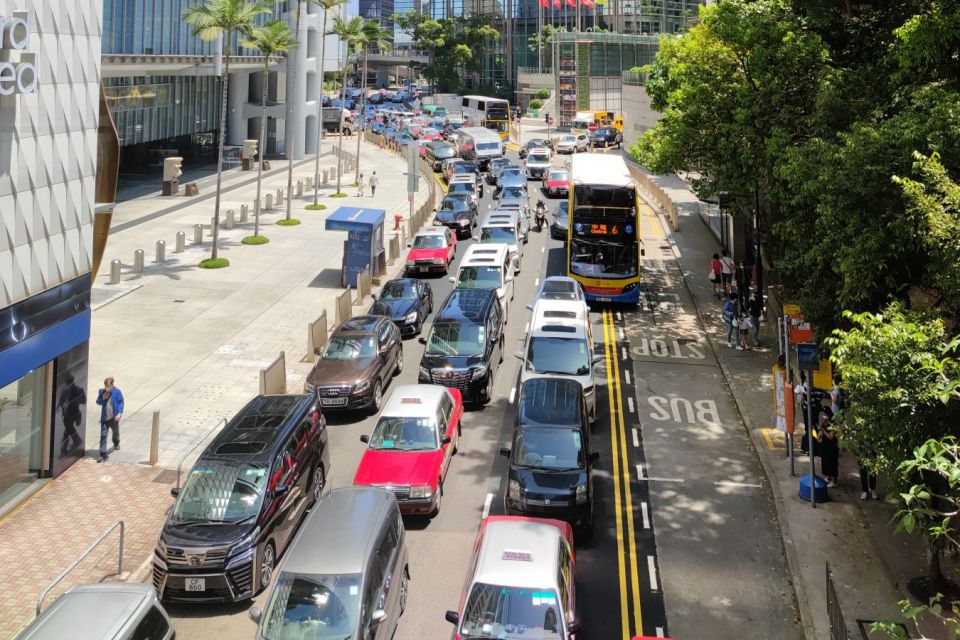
(354, 219)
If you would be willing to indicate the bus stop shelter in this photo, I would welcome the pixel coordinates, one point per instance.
(363, 247)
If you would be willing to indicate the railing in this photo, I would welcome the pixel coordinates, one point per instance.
(635, 78)
(838, 626)
(535, 70)
(222, 423)
(83, 556)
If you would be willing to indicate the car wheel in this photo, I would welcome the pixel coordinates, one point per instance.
(399, 366)
(487, 394)
(436, 509)
(267, 562)
(318, 482)
(377, 397)
(404, 588)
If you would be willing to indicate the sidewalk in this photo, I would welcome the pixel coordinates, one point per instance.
(870, 563)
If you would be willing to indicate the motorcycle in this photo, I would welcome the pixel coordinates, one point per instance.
(541, 215)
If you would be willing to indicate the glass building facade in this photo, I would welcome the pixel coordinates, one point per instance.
(150, 27)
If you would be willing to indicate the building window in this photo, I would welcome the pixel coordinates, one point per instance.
(21, 432)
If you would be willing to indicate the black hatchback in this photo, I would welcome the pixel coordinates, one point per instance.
(550, 473)
(457, 212)
(242, 502)
(464, 348)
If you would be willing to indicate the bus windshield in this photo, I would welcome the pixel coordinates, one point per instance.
(604, 242)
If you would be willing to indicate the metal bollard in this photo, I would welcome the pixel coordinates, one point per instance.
(230, 220)
(181, 242)
(161, 256)
(309, 185)
(279, 197)
(155, 438)
(198, 234)
(269, 202)
(138, 261)
(115, 271)
(244, 213)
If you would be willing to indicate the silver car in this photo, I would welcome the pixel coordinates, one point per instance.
(511, 177)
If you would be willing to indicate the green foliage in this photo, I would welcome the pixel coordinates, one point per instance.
(339, 194)
(543, 41)
(536, 103)
(222, 18)
(272, 39)
(316, 207)
(214, 263)
(255, 240)
(288, 222)
(543, 94)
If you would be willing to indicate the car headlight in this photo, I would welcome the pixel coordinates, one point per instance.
(463, 222)
(437, 222)
(161, 549)
(513, 490)
(410, 263)
(477, 372)
(438, 261)
(581, 494)
(421, 492)
(246, 543)
(362, 386)
(411, 317)
(425, 372)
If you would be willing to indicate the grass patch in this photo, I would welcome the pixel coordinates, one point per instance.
(214, 263)
(316, 207)
(255, 240)
(338, 195)
(354, 184)
(292, 222)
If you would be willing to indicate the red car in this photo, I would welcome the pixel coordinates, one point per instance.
(557, 182)
(410, 449)
(431, 251)
(432, 134)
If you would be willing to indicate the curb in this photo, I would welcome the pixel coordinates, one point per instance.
(142, 572)
(801, 601)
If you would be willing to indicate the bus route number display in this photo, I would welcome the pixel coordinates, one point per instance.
(603, 229)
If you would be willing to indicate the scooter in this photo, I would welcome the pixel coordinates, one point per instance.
(541, 215)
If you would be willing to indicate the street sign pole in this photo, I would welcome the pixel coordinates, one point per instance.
(413, 176)
(807, 361)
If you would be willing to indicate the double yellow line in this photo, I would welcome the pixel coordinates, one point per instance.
(626, 549)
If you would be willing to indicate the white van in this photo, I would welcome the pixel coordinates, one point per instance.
(501, 228)
(480, 145)
(488, 266)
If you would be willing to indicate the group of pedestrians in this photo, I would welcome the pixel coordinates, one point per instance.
(742, 307)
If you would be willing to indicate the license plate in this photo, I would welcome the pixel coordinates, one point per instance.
(420, 269)
(603, 299)
(333, 402)
(196, 584)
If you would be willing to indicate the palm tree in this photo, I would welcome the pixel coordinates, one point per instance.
(350, 32)
(273, 38)
(375, 36)
(327, 6)
(212, 20)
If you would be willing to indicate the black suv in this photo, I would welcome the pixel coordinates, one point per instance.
(243, 501)
(551, 465)
(459, 213)
(604, 137)
(465, 344)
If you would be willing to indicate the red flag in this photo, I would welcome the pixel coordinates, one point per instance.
(545, 4)
(556, 4)
(571, 3)
(587, 3)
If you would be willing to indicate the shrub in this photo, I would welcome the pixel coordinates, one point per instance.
(316, 207)
(338, 195)
(211, 263)
(255, 240)
(292, 222)
(536, 103)
(543, 94)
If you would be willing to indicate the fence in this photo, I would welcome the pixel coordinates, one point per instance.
(659, 197)
(273, 379)
(838, 626)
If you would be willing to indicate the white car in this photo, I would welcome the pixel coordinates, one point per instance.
(538, 163)
(488, 266)
(572, 142)
(561, 288)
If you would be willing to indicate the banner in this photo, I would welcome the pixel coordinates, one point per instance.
(782, 401)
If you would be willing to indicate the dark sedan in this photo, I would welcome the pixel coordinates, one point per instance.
(604, 137)
(458, 212)
(407, 302)
(561, 222)
(356, 364)
(536, 142)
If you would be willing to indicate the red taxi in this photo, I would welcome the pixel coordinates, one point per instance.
(410, 449)
(431, 251)
(432, 134)
(557, 182)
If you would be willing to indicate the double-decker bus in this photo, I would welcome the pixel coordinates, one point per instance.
(489, 113)
(603, 248)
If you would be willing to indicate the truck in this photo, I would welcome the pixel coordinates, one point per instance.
(333, 117)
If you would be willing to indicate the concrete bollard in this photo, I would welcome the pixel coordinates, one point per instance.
(161, 256)
(138, 261)
(244, 213)
(155, 438)
(198, 234)
(269, 202)
(279, 197)
(115, 271)
(326, 177)
(299, 188)
(231, 219)
(309, 185)
(181, 242)
(213, 223)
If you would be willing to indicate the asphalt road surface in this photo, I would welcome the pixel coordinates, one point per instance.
(685, 542)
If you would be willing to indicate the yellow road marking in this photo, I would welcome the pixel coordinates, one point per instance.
(608, 346)
(441, 182)
(774, 438)
(649, 226)
(635, 580)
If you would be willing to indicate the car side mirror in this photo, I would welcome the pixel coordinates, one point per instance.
(530, 307)
(365, 438)
(452, 617)
(175, 491)
(573, 627)
(594, 456)
(378, 616)
(505, 452)
(281, 490)
(409, 244)
(452, 280)
(422, 340)
(445, 440)
(255, 613)
(597, 359)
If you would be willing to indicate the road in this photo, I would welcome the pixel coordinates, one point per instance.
(685, 542)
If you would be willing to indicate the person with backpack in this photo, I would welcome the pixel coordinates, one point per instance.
(726, 270)
(731, 316)
(715, 269)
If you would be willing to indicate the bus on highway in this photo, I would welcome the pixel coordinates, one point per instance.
(489, 113)
(603, 248)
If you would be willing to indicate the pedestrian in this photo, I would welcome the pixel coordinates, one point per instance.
(619, 139)
(745, 325)
(546, 117)
(800, 391)
(731, 316)
(726, 270)
(111, 410)
(743, 283)
(374, 181)
(361, 183)
(755, 309)
(828, 447)
(715, 269)
(72, 396)
(837, 401)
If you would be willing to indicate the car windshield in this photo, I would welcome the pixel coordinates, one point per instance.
(561, 356)
(538, 157)
(221, 492)
(558, 290)
(513, 192)
(568, 139)
(550, 448)
(465, 167)
(479, 278)
(453, 204)
(511, 171)
(399, 291)
(498, 234)
(349, 348)
(559, 175)
(405, 434)
(495, 611)
(461, 187)
(429, 241)
(312, 607)
(488, 146)
(456, 339)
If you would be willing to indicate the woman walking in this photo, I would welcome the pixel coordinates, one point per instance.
(715, 269)
(361, 183)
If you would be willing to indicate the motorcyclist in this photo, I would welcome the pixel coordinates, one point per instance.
(541, 214)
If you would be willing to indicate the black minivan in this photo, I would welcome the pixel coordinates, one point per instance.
(242, 502)
(465, 345)
(550, 474)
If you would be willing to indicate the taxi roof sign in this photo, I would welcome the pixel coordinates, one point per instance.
(510, 554)
(411, 401)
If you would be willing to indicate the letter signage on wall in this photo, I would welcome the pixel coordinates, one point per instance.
(18, 72)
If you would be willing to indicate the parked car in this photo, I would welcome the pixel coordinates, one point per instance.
(459, 213)
(346, 574)
(559, 228)
(495, 166)
(356, 364)
(431, 251)
(536, 143)
(407, 302)
(464, 348)
(114, 610)
(242, 502)
(412, 445)
(538, 163)
(557, 182)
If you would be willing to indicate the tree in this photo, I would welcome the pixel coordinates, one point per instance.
(327, 6)
(542, 41)
(350, 32)
(273, 38)
(376, 37)
(212, 20)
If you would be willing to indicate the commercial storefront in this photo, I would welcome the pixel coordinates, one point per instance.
(48, 156)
